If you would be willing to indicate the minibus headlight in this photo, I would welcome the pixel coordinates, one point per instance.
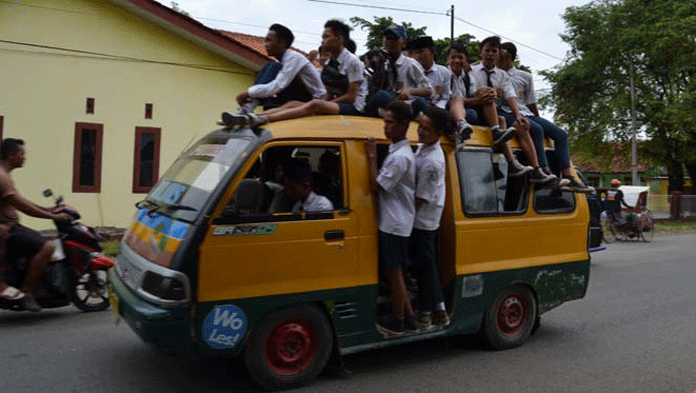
(166, 288)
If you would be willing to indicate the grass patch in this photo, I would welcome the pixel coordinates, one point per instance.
(111, 247)
(675, 226)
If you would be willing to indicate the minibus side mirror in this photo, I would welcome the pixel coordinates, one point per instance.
(248, 198)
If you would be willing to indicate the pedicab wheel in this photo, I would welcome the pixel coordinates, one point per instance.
(289, 348)
(510, 318)
(89, 292)
(609, 232)
(648, 228)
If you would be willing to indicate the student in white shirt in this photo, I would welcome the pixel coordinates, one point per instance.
(395, 185)
(430, 201)
(297, 177)
(494, 84)
(349, 88)
(525, 97)
(294, 79)
(405, 78)
(423, 50)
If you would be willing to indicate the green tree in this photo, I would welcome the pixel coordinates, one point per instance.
(653, 41)
(375, 29)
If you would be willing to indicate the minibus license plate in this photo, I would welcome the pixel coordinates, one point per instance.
(113, 300)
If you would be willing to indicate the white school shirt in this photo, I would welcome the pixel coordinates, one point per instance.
(351, 66)
(294, 64)
(458, 85)
(396, 197)
(523, 83)
(410, 73)
(430, 186)
(440, 80)
(313, 203)
(499, 78)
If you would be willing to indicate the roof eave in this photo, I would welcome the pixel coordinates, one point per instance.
(193, 31)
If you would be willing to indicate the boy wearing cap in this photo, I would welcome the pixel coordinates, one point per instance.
(525, 98)
(293, 79)
(297, 177)
(406, 79)
(423, 50)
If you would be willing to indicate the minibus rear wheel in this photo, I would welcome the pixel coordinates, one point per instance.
(289, 348)
(510, 318)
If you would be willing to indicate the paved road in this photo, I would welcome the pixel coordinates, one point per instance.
(635, 331)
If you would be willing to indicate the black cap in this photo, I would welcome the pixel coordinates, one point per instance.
(510, 48)
(424, 41)
(297, 169)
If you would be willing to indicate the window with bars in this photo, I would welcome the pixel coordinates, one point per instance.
(87, 157)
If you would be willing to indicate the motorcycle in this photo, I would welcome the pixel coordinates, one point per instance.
(76, 272)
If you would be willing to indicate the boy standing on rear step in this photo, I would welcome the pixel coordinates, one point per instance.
(430, 201)
(395, 185)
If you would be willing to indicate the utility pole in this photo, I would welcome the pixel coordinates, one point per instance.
(634, 143)
(452, 25)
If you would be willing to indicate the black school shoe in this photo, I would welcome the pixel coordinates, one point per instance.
(392, 327)
(538, 176)
(500, 137)
(575, 186)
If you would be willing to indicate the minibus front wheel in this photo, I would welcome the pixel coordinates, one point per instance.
(289, 348)
(510, 318)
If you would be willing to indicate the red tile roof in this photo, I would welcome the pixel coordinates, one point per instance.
(254, 42)
(617, 159)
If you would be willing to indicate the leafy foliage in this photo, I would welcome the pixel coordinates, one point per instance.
(653, 41)
(375, 29)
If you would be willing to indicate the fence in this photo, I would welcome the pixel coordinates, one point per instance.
(676, 206)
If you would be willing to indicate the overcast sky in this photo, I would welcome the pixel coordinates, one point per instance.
(536, 24)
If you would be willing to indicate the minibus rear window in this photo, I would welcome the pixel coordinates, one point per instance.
(486, 187)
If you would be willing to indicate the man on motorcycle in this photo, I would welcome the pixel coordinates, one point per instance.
(613, 203)
(23, 241)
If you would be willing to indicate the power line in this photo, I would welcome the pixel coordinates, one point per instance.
(508, 38)
(97, 55)
(381, 7)
(437, 13)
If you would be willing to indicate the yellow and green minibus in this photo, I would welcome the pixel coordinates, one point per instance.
(213, 265)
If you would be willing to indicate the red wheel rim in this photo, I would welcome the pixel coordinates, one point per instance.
(512, 315)
(291, 347)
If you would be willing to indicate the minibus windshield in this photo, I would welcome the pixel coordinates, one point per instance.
(186, 186)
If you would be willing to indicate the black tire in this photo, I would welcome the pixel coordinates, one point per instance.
(510, 318)
(647, 229)
(89, 291)
(289, 348)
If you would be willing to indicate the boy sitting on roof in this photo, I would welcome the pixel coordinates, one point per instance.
(343, 76)
(293, 79)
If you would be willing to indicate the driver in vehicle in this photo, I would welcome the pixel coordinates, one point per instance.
(298, 187)
(23, 241)
(614, 201)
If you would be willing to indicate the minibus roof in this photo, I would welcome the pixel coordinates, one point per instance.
(357, 127)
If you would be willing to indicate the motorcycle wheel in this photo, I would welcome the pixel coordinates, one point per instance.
(89, 292)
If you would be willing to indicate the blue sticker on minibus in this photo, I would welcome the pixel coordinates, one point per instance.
(224, 327)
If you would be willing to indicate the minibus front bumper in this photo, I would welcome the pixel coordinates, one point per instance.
(167, 329)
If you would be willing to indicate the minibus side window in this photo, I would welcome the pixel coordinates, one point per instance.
(486, 187)
(550, 200)
(261, 195)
